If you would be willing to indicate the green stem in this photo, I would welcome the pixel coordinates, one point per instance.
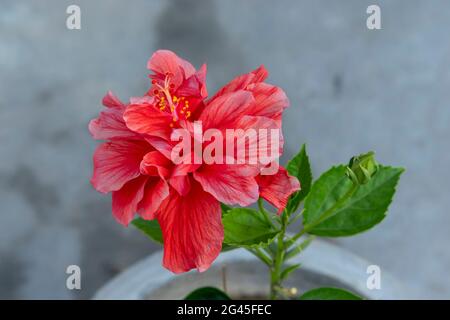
(261, 206)
(278, 257)
(275, 271)
(279, 252)
(261, 255)
(264, 212)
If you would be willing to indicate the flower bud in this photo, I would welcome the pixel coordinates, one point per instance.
(361, 168)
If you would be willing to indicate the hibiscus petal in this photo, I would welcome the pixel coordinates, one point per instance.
(116, 163)
(241, 82)
(156, 164)
(229, 183)
(161, 144)
(125, 201)
(270, 101)
(182, 184)
(163, 62)
(111, 125)
(192, 230)
(192, 87)
(180, 180)
(156, 190)
(201, 76)
(225, 111)
(111, 101)
(142, 100)
(277, 188)
(146, 119)
(260, 148)
(183, 169)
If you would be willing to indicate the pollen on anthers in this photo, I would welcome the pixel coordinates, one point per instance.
(178, 106)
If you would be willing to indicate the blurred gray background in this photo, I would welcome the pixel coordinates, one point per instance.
(351, 90)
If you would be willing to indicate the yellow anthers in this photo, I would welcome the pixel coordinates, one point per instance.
(188, 114)
(171, 125)
(175, 99)
(162, 105)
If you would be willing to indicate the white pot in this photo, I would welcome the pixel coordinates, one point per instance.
(323, 264)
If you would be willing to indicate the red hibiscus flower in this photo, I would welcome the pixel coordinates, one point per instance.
(135, 163)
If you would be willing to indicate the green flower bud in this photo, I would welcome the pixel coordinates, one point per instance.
(361, 168)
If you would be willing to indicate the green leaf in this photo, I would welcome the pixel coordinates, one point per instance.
(225, 208)
(325, 193)
(150, 228)
(288, 271)
(329, 294)
(299, 167)
(247, 227)
(326, 214)
(227, 247)
(207, 293)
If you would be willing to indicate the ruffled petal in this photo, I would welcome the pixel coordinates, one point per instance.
(116, 163)
(229, 183)
(146, 99)
(182, 184)
(241, 82)
(180, 180)
(111, 101)
(195, 85)
(110, 125)
(270, 101)
(201, 76)
(266, 147)
(155, 163)
(125, 201)
(146, 119)
(277, 188)
(161, 144)
(192, 230)
(164, 62)
(226, 110)
(155, 192)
